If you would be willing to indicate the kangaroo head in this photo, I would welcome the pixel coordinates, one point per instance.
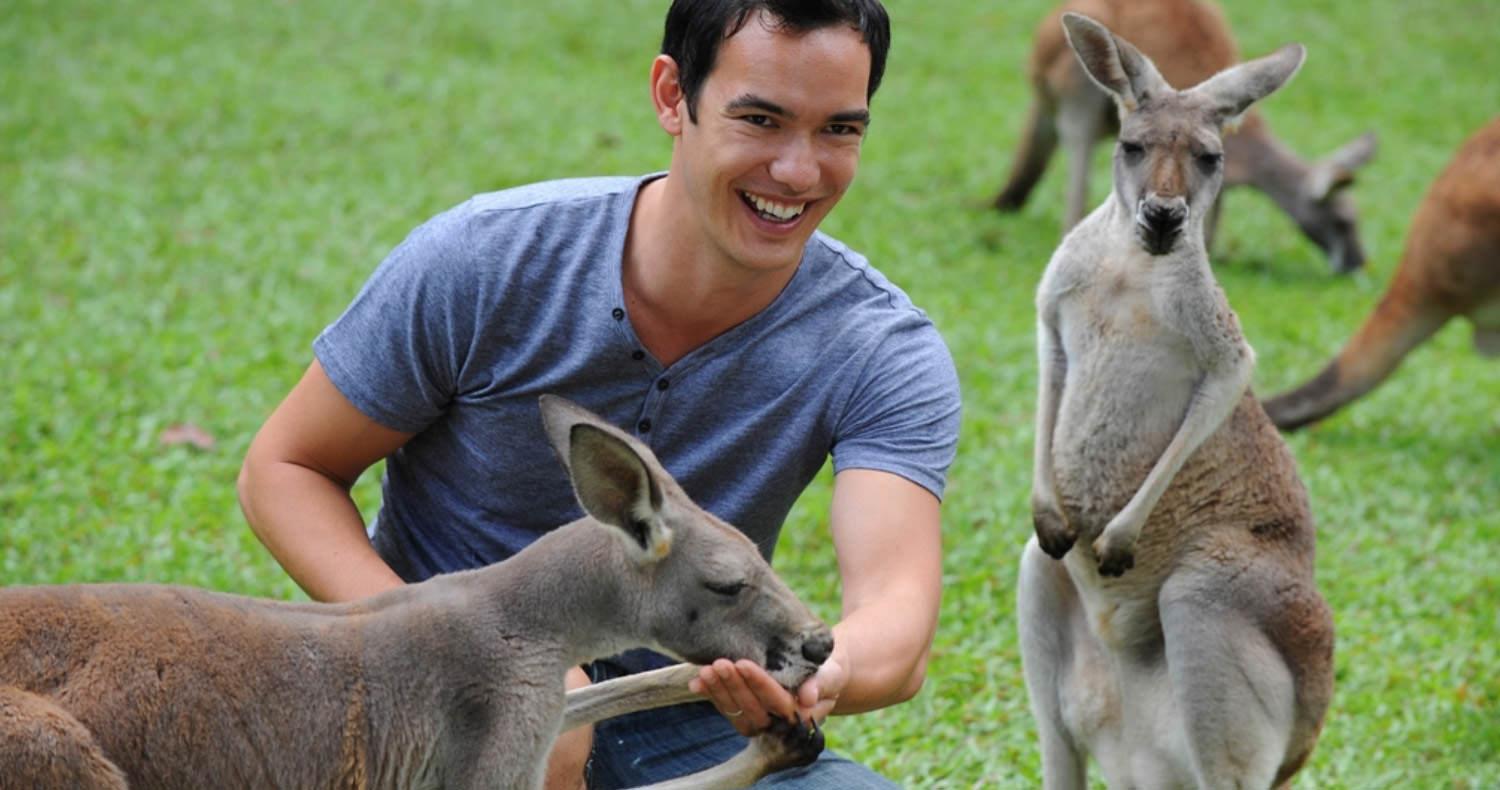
(1323, 208)
(1169, 162)
(696, 587)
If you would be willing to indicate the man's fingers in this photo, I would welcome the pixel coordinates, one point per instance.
(718, 682)
(809, 694)
(767, 691)
(752, 712)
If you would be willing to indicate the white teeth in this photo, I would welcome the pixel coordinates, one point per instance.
(780, 211)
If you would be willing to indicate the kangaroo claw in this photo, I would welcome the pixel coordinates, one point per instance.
(1053, 532)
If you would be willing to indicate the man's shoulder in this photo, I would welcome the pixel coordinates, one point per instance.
(846, 276)
(551, 194)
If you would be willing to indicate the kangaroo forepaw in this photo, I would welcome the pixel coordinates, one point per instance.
(1053, 532)
(791, 744)
(1115, 556)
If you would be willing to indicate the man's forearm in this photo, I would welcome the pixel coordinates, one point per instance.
(884, 646)
(311, 526)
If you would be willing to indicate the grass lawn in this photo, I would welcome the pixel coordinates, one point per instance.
(190, 191)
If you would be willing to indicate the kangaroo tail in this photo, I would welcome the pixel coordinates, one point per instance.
(1401, 322)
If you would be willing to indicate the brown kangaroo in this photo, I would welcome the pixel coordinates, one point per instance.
(1170, 623)
(456, 682)
(1451, 267)
(1189, 40)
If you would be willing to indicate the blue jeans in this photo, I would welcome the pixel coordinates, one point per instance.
(656, 745)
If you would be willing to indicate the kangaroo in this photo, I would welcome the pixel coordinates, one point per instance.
(1450, 267)
(1180, 640)
(455, 682)
(1189, 41)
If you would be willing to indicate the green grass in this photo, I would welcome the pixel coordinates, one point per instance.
(189, 192)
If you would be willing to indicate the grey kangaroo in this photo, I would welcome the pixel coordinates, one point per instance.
(456, 682)
(1170, 625)
(1189, 41)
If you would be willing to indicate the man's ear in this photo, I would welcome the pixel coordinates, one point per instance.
(667, 96)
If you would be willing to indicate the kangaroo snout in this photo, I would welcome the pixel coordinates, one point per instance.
(818, 646)
(1159, 222)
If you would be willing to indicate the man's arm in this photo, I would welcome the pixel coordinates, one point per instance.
(294, 489)
(886, 532)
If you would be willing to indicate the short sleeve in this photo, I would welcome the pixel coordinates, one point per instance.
(398, 350)
(903, 415)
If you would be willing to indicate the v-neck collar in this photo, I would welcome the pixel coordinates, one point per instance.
(730, 337)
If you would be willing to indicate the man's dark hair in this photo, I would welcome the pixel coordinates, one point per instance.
(696, 28)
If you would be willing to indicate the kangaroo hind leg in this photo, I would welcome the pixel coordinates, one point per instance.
(1046, 607)
(1038, 141)
(1234, 691)
(42, 745)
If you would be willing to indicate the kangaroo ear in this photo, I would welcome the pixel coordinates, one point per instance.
(616, 486)
(1337, 170)
(1113, 63)
(1231, 92)
(559, 415)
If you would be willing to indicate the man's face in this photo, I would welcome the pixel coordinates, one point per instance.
(777, 140)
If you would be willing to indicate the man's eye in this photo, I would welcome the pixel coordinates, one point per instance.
(756, 120)
(845, 130)
(726, 589)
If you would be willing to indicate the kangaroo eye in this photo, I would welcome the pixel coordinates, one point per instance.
(1210, 162)
(1131, 150)
(726, 589)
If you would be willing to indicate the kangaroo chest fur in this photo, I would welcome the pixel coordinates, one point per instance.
(1137, 333)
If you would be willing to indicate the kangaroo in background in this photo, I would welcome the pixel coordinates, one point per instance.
(1181, 640)
(1189, 41)
(1451, 267)
(455, 682)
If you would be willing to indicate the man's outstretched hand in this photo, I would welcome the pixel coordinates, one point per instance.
(749, 697)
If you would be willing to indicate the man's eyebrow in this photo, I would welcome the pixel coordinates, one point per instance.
(851, 116)
(750, 101)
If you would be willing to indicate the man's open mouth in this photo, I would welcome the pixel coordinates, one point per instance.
(772, 211)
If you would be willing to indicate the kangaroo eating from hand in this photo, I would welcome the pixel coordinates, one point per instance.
(1450, 268)
(455, 682)
(1180, 640)
(1188, 40)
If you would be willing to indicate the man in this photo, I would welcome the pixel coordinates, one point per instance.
(698, 308)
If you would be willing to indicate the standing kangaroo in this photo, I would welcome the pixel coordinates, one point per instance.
(1182, 641)
(1189, 41)
(1451, 267)
(455, 682)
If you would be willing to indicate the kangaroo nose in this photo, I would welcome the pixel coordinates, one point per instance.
(818, 648)
(1160, 221)
(1164, 217)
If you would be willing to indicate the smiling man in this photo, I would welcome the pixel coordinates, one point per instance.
(701, 309)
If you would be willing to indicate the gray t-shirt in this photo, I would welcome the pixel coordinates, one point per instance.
(517, 293)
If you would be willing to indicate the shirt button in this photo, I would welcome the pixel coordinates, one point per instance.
(618, 313)
(637, 355)
(662, 384)
(644, 426)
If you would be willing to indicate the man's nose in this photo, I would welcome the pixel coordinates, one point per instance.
(796, 166)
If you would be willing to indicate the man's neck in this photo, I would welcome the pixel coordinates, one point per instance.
(679, 291)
